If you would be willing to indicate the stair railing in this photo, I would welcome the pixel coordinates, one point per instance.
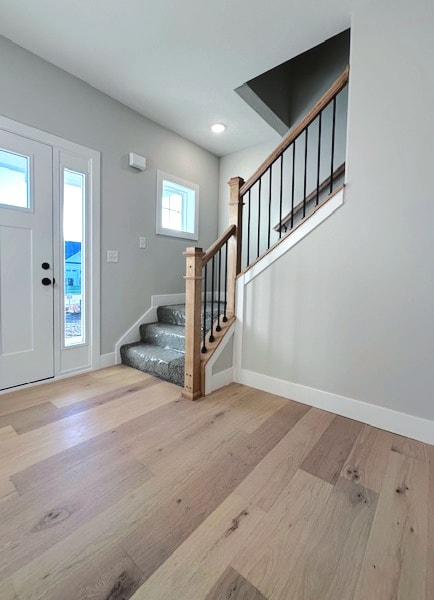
(286, 221)
(210, 295)
(300, 175)
(211, 275)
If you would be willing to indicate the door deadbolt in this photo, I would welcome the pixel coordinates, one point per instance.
(45, 265)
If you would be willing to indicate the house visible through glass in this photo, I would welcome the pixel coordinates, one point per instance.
(74, 276)
(14, 179)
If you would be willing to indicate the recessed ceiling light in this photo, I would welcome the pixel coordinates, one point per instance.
(218, 128)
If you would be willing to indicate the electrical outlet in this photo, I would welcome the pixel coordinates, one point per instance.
(112, 256)
(142, 242)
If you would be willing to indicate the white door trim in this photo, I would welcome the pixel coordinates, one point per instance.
(59, 144)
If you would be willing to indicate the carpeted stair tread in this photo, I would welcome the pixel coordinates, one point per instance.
(161, 349)
(165, 363)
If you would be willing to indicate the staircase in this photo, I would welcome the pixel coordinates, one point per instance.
(298, 178)
(161, 349)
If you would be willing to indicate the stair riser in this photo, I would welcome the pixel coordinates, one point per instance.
(156, 334)
(171, 314)
(175, 315)
(172, 372)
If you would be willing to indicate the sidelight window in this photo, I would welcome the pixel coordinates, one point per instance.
(73, 257)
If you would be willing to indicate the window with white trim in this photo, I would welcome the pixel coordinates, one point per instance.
(177, 207)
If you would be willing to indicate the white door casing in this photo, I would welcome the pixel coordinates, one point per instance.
(63, 154)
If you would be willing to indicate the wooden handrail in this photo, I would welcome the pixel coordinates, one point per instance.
(218, 244)
(298, 207)
(337, 86)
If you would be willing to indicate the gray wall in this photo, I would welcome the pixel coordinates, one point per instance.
(43, 96)
(352, 304)
(301, 81)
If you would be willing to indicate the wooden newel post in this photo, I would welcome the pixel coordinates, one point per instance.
(193, 300)
(235, 242)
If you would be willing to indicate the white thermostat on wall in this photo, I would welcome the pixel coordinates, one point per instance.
(136, 161)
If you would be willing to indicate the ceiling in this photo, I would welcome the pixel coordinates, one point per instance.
(176, 62)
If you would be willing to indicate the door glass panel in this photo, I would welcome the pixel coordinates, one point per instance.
(14, 179)
(74, 264)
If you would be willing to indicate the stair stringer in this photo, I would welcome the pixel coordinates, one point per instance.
(218, 380)
(282, 247)
(214, 381)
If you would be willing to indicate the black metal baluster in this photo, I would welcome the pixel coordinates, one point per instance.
(259, 215)
(203, 312)
(226, 283)
(218, 328)
(333, 145)
(248, 231)
(293, 184)
(319, 157)
(211, 335)
(269, 210)
(305, 172)
(281, 196)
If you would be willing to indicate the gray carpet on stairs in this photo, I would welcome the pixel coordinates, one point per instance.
(160, 350)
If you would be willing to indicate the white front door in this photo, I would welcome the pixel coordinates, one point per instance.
(26, 261)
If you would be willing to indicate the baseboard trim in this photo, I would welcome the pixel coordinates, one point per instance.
(377, 416)
(107, 360)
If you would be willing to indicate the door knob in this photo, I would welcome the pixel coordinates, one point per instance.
(45, 265)
(46, 281)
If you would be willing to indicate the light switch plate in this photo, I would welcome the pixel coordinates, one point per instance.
(112, 256)
(142, 242)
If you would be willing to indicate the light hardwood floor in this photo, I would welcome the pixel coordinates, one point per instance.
(113, 487)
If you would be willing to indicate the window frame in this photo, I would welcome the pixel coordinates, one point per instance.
(183, 186)
(82, 171)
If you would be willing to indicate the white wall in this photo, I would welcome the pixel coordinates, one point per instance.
(36, 93)
(349, 310)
